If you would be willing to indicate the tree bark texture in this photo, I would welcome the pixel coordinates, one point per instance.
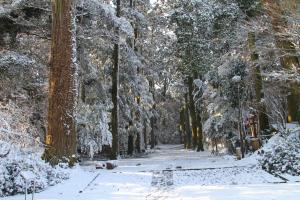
(61, 133)
(115, 93)
(199, 134)
(152, 133)
(182, 126)
(258, 84)
(145, 134)
(188, 134)
(192, 112)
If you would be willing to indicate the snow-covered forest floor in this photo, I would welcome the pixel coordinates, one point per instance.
(171, 172)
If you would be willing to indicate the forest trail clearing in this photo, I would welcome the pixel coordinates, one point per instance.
(171, 172)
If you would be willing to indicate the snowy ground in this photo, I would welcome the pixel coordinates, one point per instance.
(173, 173)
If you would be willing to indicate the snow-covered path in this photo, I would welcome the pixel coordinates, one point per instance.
(173, 173)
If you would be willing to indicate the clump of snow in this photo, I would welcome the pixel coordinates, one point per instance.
(1, 10)
(236, 79)
(16, 2)
(19, 167)
(125, 26)
(281, 154)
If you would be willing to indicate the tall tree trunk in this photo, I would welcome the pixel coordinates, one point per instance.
(165, 88)
(153, 118)
(288, 58)
(115, 93)
(131, 40)
(61, 134)
(136, 36)
(138, 143)
(130, 147)
(199, 134)
(145, 135)
(258, 84)
(188, 134)
(193, 112)
(182, 127)
(152, 133)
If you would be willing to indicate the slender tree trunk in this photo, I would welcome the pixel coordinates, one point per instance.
(165, 88)
(61, 133)
(187, 124)
(152, 119)
(258, 84)
(132, 40)
(200, 134)
(115, 93)
(145, 135)
(138, 143)
(240, 125)
(182, 127)
(193, 112)
(152, 134)
(136, 35)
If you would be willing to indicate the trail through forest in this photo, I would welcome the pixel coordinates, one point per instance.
(171, 172)
(89, 80)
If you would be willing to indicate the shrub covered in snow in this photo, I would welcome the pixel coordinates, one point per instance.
(19, 167)
(282, 155)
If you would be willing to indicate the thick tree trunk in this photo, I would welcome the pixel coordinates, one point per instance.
(61, 134)
(193, 114)
(130, 147)
(258, 84)
(138, 143)
(188, 134)
(115, 93)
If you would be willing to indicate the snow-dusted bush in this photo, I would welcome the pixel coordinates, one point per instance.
(17, 164)
(281, 155)
(93, 129)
